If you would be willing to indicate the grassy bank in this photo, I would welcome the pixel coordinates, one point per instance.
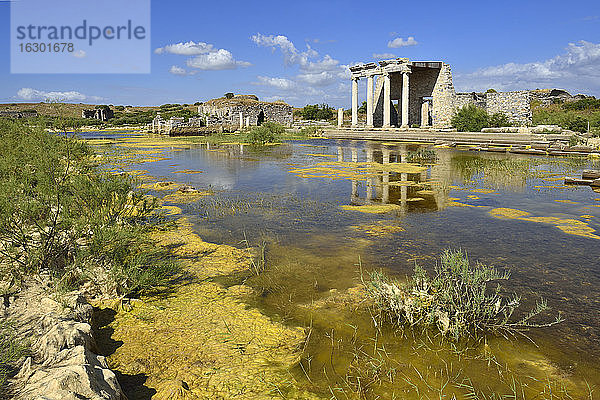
(67, 223)
(572, 115)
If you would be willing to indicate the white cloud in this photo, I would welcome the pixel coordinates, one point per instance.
(279, 83)
(186, 49)
(215, 61)
(34, 94)
(399, 42)
(79, 54)
(205, 57)
(578, 70)
(383, 56)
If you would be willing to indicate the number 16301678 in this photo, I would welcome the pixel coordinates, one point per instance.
(49, 47)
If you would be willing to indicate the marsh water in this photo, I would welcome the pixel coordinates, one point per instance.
(510, 211)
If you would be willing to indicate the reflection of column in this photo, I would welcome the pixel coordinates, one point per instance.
(370, 101)
(403, 192)
(386, 100)
(207, 145)
(403, 154)
(369, 190)
(340, 117)
(369, 154)
(385, 195)
(241, 148)
(405, 99)
(340, 153)
(386, 155)
(354, 151)
(354, 101)
(354, 195)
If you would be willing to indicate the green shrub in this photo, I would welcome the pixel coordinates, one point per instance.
(470, 118)
(456, 300)
(317, 112)
(275, 128)
(60, 214)
(498, 120)
(309, 131)
(11, 350)
(261, 135)
(589, 103)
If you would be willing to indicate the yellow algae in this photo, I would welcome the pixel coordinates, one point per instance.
(482, 191)
(415, 199)
(472, 196)
(586, 216)
(202, 340)
(160, 185)
(171, 210)
(153, 159)
(459, 204)
(186, 171)
(377, 229)
(354, 171)
(568, 225)
(321, 155)
(426, 192)
(185, 197)
(404, 183)
(566, 201)
(373, 208)
(508, 213)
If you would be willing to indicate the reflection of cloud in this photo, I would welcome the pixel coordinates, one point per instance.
(79, 54)
(577, 69)
(205, 57)
(34, 94)
(399, 42)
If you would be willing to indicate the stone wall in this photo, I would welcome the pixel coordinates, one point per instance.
(443, 98)
(516, 105)
(227, 112)
(422, 83)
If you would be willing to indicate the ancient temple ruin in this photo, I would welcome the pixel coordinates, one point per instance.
(421, 94)
(245, 110)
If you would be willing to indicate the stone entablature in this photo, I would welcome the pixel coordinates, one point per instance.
(245, 110)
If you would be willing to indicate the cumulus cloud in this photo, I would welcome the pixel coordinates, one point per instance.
(578, 69)
(215, 61)
(34, 94)
(204, 57)
(186, 49)
(279, 83)
(383, 56)
(399, 42)
(314, 71)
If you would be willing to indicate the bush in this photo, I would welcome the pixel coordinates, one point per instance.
(317, 112)
(120, 108)
(261, 135)
(309, 131)
(11, 350)
(275, 128)
(456, 300)
(498, 120)
(61, 215)
(589, 103)
(470, 118)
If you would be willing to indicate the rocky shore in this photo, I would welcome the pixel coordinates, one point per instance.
(63, 362)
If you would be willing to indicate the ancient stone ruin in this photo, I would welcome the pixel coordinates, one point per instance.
(421, 94)
(245, 110)
(102, 114)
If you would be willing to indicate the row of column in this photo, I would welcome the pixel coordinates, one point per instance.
(386, 100)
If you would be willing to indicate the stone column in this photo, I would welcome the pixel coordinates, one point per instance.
(340, 117)
(247, 122)
(354, 102)
(425, 114)
(405, 100)
(241, 120)
(370, 101)
(386, 100)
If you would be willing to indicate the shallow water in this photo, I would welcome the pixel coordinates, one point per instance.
(511, 211)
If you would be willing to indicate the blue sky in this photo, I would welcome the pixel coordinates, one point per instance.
(299, 51)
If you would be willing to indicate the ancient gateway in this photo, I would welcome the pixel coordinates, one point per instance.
(421, 94)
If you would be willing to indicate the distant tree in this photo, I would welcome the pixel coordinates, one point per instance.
(490, 90)
(317, 112)
(363, 108)
(120, 108)
(229, 95)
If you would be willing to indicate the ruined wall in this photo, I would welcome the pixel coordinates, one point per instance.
(516, 105)
(421, 84)
(229, 114)
(443, 98)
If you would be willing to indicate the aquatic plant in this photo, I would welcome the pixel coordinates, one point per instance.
(456, 300)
